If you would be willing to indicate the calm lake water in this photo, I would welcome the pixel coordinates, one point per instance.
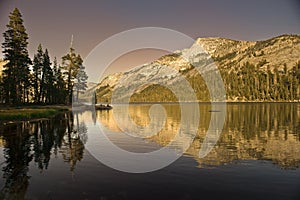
(256, 157)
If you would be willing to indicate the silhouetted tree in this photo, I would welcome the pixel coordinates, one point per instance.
(59, 93)
(37, 73)
(71, 65)
(47, 79)
(16, 71)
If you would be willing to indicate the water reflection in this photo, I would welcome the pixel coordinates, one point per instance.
(34, 142)
(251, 132)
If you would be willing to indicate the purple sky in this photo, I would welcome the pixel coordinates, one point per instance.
(52, 22)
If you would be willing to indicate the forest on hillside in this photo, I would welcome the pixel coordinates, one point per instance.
(249, 83)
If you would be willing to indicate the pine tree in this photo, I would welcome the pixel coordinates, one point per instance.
(55, 81)
(71, 64)
(59, 93)
(295, 82)
(80, 81)
(37, 73)
(16, 72)
(276, 85)
(47, 78)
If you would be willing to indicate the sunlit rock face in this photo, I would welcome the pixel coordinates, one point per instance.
(277, 51)
(228, 55)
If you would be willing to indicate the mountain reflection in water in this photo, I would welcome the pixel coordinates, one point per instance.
(259, 131)
(251, 132)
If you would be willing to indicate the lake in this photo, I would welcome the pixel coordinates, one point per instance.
(256, 155)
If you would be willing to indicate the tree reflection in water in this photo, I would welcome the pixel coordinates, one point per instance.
(36, 141)
(251, 132)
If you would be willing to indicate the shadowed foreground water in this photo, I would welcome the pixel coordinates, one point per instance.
(256, 157)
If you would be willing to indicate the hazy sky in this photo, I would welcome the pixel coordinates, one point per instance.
(52, 22)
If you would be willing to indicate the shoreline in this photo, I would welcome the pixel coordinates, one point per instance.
(206, 102)
(29, 113)
(16, 114)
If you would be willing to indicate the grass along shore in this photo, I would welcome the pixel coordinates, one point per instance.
(30, 112)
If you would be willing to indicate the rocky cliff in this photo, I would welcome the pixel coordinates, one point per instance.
(251, 71)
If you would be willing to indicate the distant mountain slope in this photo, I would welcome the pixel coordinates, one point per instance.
(252, 71)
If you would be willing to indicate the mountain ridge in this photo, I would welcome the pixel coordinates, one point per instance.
(267, 70)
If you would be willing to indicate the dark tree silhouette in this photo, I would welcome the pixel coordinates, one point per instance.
(16, 71)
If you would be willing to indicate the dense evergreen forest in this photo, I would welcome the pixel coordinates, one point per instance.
(246, 83)
(38, 80)
(251, 83)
